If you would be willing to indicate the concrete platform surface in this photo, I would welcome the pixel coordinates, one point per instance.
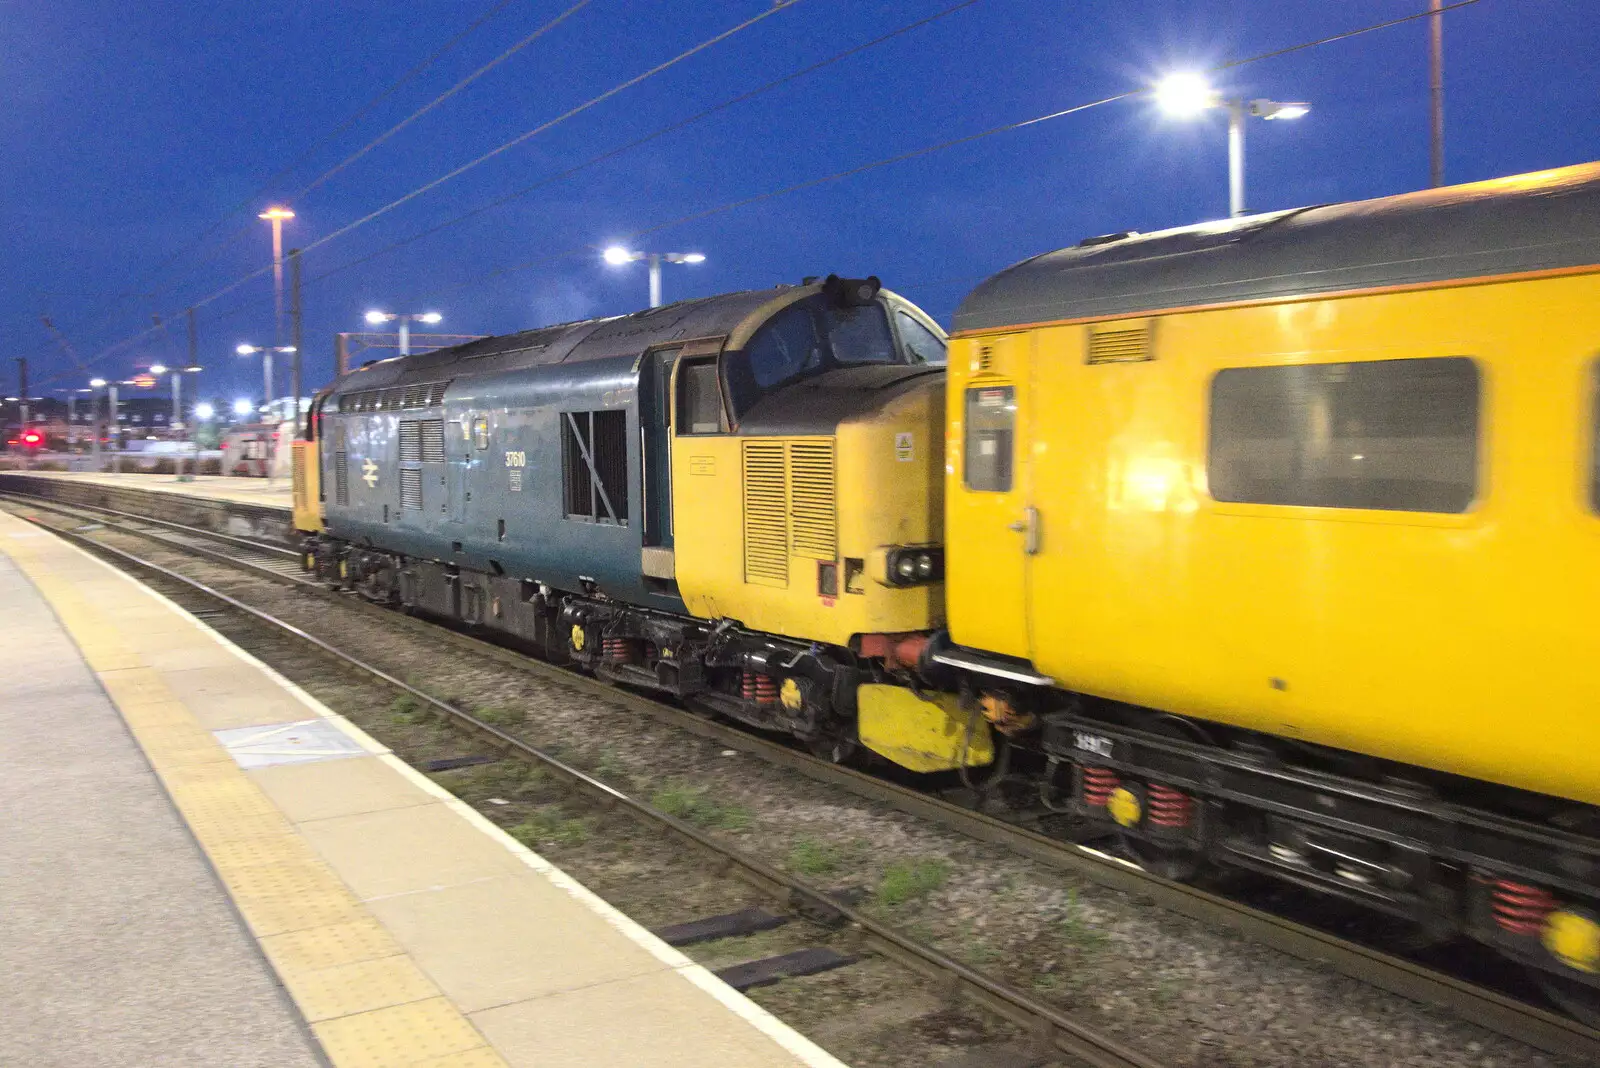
(118, 946)
(274, 493)
(407, 929)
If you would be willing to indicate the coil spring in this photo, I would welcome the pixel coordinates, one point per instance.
(1168, 807)
(618, 650)
(1098, 785)
(1520, 909)
(762, 689)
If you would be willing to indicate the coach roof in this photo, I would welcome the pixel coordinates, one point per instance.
(1532, 222)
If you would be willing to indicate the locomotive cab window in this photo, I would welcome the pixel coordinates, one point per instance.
(699, 398)
(922, 344)
(1393, 435)
(991, 420)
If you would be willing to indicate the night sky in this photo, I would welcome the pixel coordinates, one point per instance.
(130, 130)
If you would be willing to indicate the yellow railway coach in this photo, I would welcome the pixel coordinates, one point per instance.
(1280, 538)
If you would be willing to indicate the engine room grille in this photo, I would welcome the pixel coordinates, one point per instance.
(1120, 342)
(766, 533)
(410, 488)
(812, 518)
(432, 440)
(411, 440)
(341, 477)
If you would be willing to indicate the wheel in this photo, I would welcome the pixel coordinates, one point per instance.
(1178, 864)
(1578, 1000)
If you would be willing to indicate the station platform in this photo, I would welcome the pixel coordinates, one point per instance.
(267, 493)
(211, 868)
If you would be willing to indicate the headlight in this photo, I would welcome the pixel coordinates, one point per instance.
(912, 566)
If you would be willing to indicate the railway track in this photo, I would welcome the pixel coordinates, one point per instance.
(1487, 1008)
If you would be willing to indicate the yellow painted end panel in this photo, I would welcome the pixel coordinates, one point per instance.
(984, 570)
(887, 492)
(307, 487)
(921, 735)
(1465, 643)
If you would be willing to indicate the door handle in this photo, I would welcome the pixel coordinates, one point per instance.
(1028, 526)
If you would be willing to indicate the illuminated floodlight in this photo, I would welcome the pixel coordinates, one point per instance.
(276, 213)
(686, 257)
(204, 411)
(1275, 109)
(377, 318)
(429, 318)
(618, 256)
(158, 368)
(245, 350)
(97, 383)
(1185, 94)
(243, 407)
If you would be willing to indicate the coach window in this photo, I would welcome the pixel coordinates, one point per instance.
(991, 418)
(1392, 435)
(1594, 439)
(480, 432)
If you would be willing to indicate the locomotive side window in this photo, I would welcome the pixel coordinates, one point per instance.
(921, 342)
(991, 418)
(1395, 435)
(699, 401)
(480, 432)
(594, 466)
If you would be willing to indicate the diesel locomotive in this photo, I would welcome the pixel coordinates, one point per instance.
(719, 499)
(1270, 543)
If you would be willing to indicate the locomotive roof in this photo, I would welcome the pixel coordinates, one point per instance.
(1531, 222)
(587, 339)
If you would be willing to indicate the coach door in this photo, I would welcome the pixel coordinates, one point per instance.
(992, 529)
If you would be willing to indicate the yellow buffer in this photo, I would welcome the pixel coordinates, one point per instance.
(919, 734)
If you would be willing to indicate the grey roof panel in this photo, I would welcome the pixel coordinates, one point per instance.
(1531, 222)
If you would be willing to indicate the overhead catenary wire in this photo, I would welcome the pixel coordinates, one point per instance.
(655, 134)
(777, 7)
(840, 175)
(310, 150)
(940, 146)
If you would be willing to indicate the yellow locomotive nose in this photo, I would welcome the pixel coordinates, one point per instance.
(1124, 806)
(1574, 940)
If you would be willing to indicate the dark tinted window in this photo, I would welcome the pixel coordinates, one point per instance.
(785, 347)
(991, 418)
(860, 335)
(923, 343)
(1399, 435)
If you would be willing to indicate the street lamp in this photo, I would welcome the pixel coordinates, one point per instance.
(204, 412)
(243, 407)
(1184, 95)
(378, 318)
(114, 436)
(266, 363)
(276, 215)
(617, 256)
(176, 427)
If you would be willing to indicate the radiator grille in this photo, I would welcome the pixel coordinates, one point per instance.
(432, 441)
(341, 477)
(766, 534)
(410, 440)
(410, 488)
(812, 518)
(1120, 343)
(302, 500)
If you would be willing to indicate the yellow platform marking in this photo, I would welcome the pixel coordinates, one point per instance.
(404, 1034)
(367, 1002)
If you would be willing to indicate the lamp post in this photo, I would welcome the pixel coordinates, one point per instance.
(617, 256)
(1187, 95)
(177, 427)
(275, 216)
(114, 432)
(404, 321)
(266, 364)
